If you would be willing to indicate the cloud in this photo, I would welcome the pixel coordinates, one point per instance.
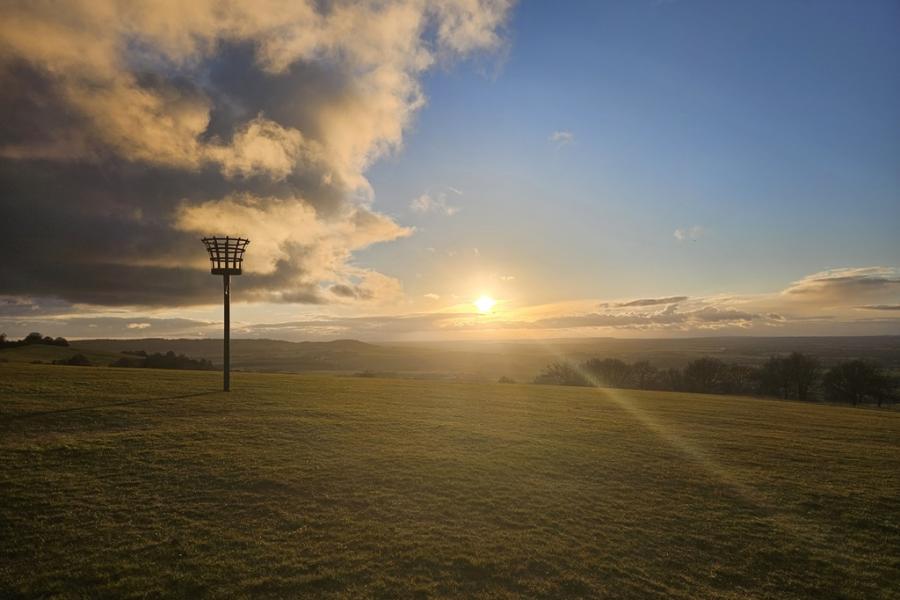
(776, 313)
(561, 138)
(452, 323)
(689, 233)
(370, 327)
(16, 306)
(654, 301)
(507, 277)
(140, 126)
(294, 248)
(709, 317)
(840, 284)
(345, 291)
(110, 327)
(426, 203)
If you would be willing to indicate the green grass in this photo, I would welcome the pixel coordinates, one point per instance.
(141, 483)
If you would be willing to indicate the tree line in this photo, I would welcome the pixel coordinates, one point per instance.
(31, 339)
(169, 360)
(796, 376)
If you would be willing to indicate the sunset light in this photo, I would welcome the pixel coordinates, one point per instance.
(544, 299)
(484, 304)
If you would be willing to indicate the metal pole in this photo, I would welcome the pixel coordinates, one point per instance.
(227, 357)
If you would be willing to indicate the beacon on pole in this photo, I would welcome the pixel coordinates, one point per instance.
(226, 255)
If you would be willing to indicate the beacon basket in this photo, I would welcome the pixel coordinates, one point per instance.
(226, 255)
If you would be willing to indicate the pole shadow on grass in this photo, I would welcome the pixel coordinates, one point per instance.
(107, 405)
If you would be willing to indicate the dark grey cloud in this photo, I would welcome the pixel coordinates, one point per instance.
(16, 306)
(350, 291)
(881, 307)
(130, 133)
(100, 229)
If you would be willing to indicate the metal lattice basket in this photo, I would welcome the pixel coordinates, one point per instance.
(226, 254)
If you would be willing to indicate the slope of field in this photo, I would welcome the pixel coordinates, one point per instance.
(119, 482)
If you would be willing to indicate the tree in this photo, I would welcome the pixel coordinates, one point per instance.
(802, 372)
(774, 379)
(671, 379)
(643, 375)
(78, 360)
(33, 338)
(857, 381)
(789, 376)
(704, 375)
(560, 373)
(737, 379)
(610, 372)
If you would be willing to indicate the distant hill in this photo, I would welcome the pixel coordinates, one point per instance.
(48, 354)
(333, 356)
(490, 360)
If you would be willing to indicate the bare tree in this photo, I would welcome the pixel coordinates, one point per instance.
(560, 373)
(857, 381)
(610, 372)
(643, 375)
(803, 371)
(704, 375)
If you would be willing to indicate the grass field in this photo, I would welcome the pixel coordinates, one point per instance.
(119, 482)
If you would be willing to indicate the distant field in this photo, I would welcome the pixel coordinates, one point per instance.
(120, 482)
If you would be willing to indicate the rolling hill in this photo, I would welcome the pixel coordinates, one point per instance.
(489, 360)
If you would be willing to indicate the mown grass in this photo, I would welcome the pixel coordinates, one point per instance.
(141, 483)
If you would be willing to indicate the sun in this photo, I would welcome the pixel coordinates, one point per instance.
(484, 304)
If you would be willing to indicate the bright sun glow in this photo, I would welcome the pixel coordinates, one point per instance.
(484, 304)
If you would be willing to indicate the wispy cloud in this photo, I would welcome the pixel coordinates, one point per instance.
(435, 203)
(848, 282)
(692, 234)
(561, 138)
(654, 301)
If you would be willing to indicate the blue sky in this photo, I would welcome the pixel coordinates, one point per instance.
(628, 168)
(771, 126)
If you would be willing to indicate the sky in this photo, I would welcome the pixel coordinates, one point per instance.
(634, 169)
